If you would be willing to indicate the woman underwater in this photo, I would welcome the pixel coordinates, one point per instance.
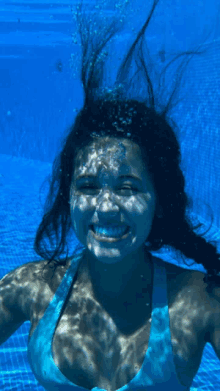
(112, 316)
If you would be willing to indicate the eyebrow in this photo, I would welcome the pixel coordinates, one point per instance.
(120, 177)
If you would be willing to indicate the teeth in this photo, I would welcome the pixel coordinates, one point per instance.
(109, 231)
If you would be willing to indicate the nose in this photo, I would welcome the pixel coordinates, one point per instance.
(107, 205)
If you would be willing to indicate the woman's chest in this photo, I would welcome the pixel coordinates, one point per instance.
(94, 349)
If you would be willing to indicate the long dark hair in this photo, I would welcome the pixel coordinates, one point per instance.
(112, 112)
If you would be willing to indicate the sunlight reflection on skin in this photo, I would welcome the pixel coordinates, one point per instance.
(108, 199)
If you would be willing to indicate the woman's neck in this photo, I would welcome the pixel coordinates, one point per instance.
(119, 284)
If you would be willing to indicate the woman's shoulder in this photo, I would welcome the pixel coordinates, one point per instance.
(175, 270)
(19, 286)
(185, 284)
(187, 289)
(25, 273)
(35, 278)
(49, 274)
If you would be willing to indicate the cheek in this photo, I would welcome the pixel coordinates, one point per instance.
(142, 205)
(145, 211)
(79, 205)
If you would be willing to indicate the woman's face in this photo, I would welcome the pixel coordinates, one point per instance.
(111, 187)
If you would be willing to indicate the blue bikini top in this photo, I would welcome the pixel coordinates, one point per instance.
(158, 369)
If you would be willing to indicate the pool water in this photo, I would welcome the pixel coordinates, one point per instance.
(40, 96)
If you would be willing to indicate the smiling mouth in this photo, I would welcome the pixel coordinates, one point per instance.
(108, 239)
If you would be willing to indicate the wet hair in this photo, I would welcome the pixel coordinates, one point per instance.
(113, 112)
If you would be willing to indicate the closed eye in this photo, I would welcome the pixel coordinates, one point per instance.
(124, 187)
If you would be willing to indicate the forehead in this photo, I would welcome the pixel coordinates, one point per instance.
(112, 154)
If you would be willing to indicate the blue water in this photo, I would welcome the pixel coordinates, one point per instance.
(39, 95)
